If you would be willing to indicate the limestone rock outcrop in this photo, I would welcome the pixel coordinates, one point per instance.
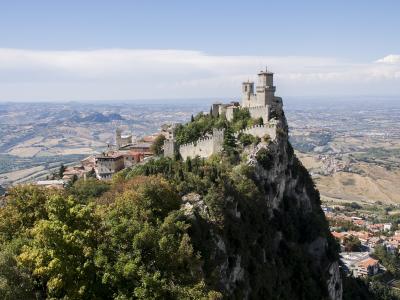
(275, 246)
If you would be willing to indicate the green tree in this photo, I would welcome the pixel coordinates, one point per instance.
(247, 139)
(188, 164)
(157, 145)
(265, 158)
(352, 243)
(15, 282)
(229, 143)
(25, 205)
(88, 189)
(61, 255)
(147, 253)
(91, 174)
(61, 171)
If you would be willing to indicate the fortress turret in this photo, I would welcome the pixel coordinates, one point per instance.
(247, 93)
(265, 88)
(122, 140)
(118, 133)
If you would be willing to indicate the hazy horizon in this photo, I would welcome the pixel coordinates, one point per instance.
(100, 50)
(292, 100)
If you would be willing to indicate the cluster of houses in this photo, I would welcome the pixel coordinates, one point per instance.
(369, 234)
(360, 264)
(124, 154)
(370, 240)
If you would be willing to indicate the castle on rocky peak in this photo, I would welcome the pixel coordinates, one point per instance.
(262, 104)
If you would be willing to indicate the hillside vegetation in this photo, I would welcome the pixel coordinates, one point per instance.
(170, 229)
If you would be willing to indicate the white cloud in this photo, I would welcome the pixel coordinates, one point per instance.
(390, 59)
(143, 74)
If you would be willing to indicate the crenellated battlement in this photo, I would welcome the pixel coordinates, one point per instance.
(206, 146)
(261, 130)
(203, 147)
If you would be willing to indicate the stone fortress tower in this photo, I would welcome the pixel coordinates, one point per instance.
(122, 140)
(169, 143)
(262, 104)
(265, 91)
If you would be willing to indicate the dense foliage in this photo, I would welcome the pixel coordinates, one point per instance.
(130, 239)
(157, 145)
(351, 243)
(203, 124)
(126, 241)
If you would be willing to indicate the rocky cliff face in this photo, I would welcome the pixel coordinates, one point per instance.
(273, 241)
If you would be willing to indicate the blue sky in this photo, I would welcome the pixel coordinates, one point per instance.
(112, 49)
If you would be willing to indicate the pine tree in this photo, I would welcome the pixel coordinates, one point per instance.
(181, 175)
(229, 144)
(188, 165)
(61, 171)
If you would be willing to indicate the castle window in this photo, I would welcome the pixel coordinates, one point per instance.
(245, 88)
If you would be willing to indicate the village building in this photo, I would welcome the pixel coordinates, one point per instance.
(392, 246)
(108, 164)
(132, 158)
(57, 184)
(387, 227)
(144, 147)
(360, 264)
(366, 267)
(78, 171)
(373, 242)
(149, 138)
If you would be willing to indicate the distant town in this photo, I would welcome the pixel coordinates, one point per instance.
(367, 236)
(124, 154)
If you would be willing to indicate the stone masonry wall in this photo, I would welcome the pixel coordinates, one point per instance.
(204, 147)
(208, 146)
(261, 130)
(260, 112)
(255, 112)
(169, 148)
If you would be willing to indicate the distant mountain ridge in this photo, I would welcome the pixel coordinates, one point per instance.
(97, 117)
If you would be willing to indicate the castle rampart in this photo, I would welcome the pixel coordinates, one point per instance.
(203, 147)
(169, 148)
(261, 130)
(260, 112)
(207, 146)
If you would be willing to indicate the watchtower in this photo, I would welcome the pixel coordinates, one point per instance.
(247, 93)
(217, 140)
(265, 88)
(118, 140)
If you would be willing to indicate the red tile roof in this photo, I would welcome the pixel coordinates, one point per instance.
(368, 262)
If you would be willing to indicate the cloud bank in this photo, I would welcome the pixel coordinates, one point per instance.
(123, 74)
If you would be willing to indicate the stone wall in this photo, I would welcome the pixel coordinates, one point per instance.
(208, 146)
(261, 130)
(204, 147)
(229, 112)
(169, 148)
(255, 112)
(260, 112)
